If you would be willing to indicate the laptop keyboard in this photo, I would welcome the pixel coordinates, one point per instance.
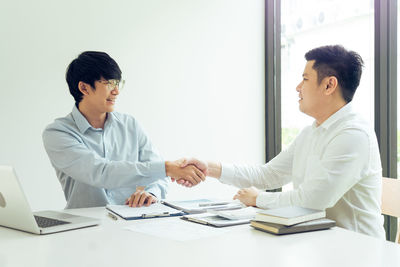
(44, 222)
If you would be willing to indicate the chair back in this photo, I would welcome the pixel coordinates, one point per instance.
(391, 200)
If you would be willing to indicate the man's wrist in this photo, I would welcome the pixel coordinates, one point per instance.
(169, 168)
(255, 200)
(214, 169)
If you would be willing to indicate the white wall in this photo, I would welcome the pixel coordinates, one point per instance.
(194, 72)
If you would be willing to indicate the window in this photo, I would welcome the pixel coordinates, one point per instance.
(326, 23)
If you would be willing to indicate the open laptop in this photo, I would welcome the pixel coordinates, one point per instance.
(16, 213)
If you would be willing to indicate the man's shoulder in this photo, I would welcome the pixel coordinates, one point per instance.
(355, 122)
(59, 128)
(61, 123)
(354, 129)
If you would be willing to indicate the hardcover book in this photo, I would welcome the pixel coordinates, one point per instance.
(280, 229)
(289, 215)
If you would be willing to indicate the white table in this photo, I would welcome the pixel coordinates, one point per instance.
(110, 244)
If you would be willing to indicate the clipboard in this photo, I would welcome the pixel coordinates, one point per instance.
(156, 210)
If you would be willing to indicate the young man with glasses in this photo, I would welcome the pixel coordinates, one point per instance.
(104, 157)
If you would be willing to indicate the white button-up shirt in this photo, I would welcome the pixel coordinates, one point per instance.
(335, 166)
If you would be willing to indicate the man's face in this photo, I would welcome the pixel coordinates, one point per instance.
(311, 93)
(102, 99)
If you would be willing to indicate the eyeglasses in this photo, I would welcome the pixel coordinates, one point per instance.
(113, 84)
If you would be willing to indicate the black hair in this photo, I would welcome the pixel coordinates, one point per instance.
(89, 67)
(335, 60)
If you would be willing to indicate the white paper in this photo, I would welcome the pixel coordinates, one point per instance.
(237, 214)
(176, 229)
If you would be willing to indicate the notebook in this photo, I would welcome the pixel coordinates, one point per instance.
(289, 215)
(16, 213)
(280, 229)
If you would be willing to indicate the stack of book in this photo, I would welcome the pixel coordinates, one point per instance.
(291, 219)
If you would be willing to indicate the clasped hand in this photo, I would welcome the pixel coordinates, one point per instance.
(187, 172)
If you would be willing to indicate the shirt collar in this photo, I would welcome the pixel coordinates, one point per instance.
(110, 119)
(346, 109)
(82, 122)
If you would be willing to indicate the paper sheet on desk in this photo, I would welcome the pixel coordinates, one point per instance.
(176, 229)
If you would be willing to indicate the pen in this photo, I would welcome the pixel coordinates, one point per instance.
(213, 204)
(153, 215)
(112, 216)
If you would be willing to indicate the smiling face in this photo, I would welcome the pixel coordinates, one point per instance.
(101, 99)
(311, 94)
(106, 97)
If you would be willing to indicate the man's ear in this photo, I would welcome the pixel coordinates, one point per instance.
(83, 87)
(331, 85)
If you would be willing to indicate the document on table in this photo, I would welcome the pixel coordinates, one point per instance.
(214, 220)
(176, 229)
(153, 211)
(194, 206)
(237, 214)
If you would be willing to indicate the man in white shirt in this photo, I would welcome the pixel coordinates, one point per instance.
(334, 164)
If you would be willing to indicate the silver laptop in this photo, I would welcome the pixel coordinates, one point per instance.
(16, 213)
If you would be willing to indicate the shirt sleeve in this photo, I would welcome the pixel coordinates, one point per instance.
(272, 175)
(148, 153)
(332, 175)
(69, 155)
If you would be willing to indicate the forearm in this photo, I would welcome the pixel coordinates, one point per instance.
(84, 166)
(70, 156)
(303, 197)
(272, 175)
(115, 174)
(259, 176)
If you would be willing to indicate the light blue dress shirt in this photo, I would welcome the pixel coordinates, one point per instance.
(103, 166)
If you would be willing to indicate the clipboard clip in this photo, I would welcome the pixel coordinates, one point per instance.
(155, 215)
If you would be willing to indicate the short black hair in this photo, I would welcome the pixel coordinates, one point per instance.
(335, 60)
(89, 67)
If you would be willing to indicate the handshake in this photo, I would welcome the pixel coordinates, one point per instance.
(190, 172)
(187, 172)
